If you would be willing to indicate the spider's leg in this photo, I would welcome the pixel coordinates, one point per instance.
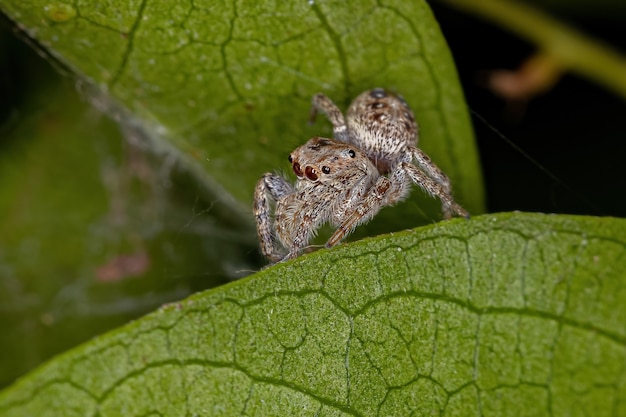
(305, 222)
(372, 202)
(384, 192)
(275, 187)
(323, 104)
(428, 166)
(435, 189)
(436, 174)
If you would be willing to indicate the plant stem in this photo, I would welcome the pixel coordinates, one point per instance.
(577, 52)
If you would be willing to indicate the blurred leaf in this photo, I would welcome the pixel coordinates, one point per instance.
(500, 315)
(229, 84)
(94, 231)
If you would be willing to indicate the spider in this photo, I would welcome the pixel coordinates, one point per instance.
(347, 180)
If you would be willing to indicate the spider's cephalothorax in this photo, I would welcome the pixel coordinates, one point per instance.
(346, 181)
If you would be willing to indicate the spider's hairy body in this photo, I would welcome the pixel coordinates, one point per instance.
(346, 181)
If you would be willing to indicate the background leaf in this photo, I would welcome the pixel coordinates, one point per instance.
(94, 230)
(503, 313)
(208, 97)
(230, 84)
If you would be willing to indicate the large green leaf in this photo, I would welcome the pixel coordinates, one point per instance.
(513, 314)
(228, 84)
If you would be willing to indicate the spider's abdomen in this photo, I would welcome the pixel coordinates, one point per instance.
(383, 126)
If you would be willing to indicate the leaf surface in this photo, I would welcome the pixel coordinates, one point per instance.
(497, 315)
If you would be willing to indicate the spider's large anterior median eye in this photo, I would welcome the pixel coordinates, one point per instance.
(325, 170)
(351, 153)
(311, 173)
(290, 159)
(297, 169)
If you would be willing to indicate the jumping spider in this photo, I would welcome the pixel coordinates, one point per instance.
(347, 180)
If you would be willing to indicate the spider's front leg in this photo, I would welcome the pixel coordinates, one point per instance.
(299, 226)
(276, 187)
(375, 198)
(325, 105)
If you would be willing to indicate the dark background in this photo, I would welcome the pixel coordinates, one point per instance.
(576, 131)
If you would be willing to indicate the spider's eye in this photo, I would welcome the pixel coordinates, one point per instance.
(311, 173)
(297, 170)
(351, 153)
(290, 159)
(325, 170)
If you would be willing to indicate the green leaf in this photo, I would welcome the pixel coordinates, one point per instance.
(221, 91)
(227, 86)
(499, 315)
